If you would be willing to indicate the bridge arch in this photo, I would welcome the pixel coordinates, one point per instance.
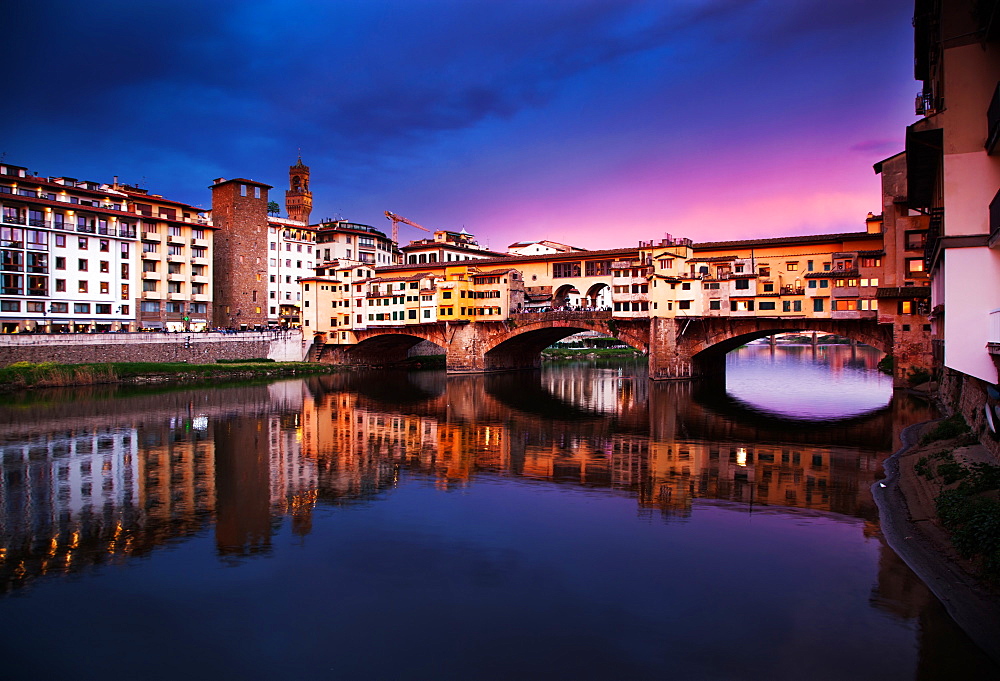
(566, 295)
(521, 347)
(381, 347)
(708, 348)
(598, 297)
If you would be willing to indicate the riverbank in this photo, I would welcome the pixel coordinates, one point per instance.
(27, 375)
(588, 353)
(907, 503)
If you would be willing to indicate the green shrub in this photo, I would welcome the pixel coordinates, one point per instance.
(953, 426)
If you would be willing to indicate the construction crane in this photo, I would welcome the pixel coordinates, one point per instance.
(396, 219)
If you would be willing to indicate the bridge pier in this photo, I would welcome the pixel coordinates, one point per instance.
(670, 358)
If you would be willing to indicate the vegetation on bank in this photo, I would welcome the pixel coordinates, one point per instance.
(968, 504)
(49, 374)
(562, 353)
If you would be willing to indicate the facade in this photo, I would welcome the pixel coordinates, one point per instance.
(291, 256)
(342, 241)
(952, 164)
(176, 263)
(79, 256)
(446, 247)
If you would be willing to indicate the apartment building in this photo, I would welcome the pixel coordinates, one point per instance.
(71, 254)
(176, 263)
(340, 240)
(291, 258)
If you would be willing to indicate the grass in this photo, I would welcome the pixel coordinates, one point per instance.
(49, 374)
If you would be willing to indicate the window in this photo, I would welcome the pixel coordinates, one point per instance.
(61, 240)
(715, 305)
(82, 243)
(150, 285)
(81, 308)
(104, 266)
(82, 287)
(60, 285)
(792, 266)
(565, 269)
(914, 266)
(198, 251)
(817, 304)
(150, 306)
(764, 271)
(766, 305)
(743, 284)
(174, 249)
(105, 287)
(915, 241)
(102, 308)
(683, 304)
(10, 306)
(150, 248)
(105, 246)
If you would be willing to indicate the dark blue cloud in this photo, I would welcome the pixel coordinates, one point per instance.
(389, 98)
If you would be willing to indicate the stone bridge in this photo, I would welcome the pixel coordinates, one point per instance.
(677, 348)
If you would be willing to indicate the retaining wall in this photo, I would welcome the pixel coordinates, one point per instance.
(197, 348)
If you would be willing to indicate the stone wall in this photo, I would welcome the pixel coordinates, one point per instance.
(200, 348)
(968, 396)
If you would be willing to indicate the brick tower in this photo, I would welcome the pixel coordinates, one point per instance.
(298, 198)
(239, 211)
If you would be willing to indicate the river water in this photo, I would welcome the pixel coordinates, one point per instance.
(579, 522)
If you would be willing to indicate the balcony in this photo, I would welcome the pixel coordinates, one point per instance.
(152, 295)
(200, 242)
(175, 276)
(201, 297)
(792, 291)
(151, 236)
(13, 219)
(151, 275)
(176, 239)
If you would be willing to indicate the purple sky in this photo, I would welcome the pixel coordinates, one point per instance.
(595, 123)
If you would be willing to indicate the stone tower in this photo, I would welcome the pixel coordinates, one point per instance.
(239, 212)
(298, 198)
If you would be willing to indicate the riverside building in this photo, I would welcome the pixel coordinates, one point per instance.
(70, 254)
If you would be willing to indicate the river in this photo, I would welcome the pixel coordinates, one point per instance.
(578, 522)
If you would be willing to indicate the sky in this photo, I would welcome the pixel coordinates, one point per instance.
(596, 123)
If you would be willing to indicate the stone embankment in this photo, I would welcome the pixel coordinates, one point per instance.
(195, 348)
(906, 499)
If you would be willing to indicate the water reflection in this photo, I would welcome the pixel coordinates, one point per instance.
(122, 472)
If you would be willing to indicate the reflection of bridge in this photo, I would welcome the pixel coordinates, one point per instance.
(677, 348)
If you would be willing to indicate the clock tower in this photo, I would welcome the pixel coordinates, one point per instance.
(298, 198)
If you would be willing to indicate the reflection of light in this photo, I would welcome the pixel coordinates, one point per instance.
(199, 423)
(741, 456)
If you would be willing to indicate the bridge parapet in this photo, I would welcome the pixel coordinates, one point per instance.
(560, 315)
